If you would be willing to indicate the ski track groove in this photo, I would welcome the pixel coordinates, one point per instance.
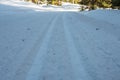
(93, 45)
(77, 63)
(27, 62)
(57, 64)
(34, 72)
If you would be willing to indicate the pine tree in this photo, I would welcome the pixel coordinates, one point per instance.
(97, 3)
(116, 2)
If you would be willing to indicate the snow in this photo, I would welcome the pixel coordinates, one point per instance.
(39, 42)
(112, 17)
(108, 20)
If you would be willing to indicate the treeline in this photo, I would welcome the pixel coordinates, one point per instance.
(116, 3)
(97, 3)
(55, 2)
(92, 4)
(101, 3)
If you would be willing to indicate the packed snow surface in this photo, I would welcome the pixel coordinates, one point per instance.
(40, 43)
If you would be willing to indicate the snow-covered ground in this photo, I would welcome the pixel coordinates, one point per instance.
(44, 44)
(111, 16)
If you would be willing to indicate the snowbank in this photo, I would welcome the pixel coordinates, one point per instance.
(111, 16)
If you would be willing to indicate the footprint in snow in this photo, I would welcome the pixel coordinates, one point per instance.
(23, 40)
(54, 54)
(28, 29)
(97, 29)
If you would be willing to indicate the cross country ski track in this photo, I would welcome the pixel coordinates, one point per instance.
(63, 46)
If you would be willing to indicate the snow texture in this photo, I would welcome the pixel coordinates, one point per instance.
(38, 42)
